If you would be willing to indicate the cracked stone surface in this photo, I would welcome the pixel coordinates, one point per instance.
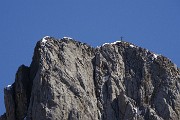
(70, 80)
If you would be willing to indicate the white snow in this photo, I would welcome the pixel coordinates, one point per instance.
(8, 87)
(132, 46)
(44, 40)
(155, 56)
(105, 44)
(111, 43)
(116, 42)
(69, 38)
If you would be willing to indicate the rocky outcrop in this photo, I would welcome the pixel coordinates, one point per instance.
(22, 90)
(17, 96)
(69, 80)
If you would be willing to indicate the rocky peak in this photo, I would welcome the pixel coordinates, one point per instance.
(71, 80)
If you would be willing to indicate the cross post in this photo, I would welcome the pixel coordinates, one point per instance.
(122, 37)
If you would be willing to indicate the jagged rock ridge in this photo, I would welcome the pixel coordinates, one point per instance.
(71, 80)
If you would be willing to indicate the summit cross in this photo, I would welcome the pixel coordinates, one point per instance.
(122, 37)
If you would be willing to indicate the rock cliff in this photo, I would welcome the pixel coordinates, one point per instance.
(70, 80)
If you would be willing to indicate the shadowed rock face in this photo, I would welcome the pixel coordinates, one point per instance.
(69, 80)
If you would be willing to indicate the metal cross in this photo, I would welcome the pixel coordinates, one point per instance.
(122, 37)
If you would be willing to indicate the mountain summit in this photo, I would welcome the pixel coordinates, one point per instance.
(70, 80)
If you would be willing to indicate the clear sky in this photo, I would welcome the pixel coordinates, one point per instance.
(151, 24)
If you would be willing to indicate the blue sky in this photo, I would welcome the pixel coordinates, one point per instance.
(151, 24)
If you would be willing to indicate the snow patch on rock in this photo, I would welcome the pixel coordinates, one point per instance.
(111, 43)
(44, 40)
(69, 38)
(105, 44)
(132, 46)
(116, 42)
(8, 87)
(154, 56)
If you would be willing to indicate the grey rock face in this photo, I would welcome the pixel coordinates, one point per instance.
(69, 80)
(68, 65)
